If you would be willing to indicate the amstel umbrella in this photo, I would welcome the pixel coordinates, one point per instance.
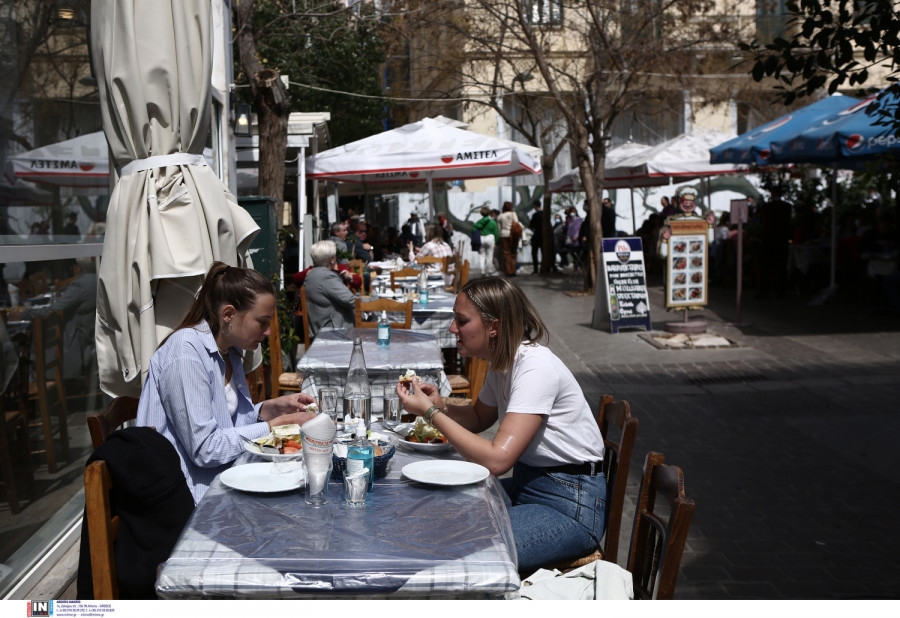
(428, 150)
(756, 145)
(169, 215)
(82, 161)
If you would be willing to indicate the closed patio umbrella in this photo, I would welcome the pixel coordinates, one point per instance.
(169, 215)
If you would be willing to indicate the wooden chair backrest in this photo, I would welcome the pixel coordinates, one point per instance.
(383, 304)
(307, 340)
(476, 373)
(275, 364)
(103, 529)
(34, 285)
(120, 410)
(357, 267)
(433, 259)
(256, 384)
(616, 464)
(402, 274)
(464, 273)
(657, 544)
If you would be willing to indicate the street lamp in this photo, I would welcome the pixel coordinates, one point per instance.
(242, 120)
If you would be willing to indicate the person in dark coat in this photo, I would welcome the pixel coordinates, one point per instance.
(608, 219)
(153, 502)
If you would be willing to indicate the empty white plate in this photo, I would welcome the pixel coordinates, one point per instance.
(447, 473)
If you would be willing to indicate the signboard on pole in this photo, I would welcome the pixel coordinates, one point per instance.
(687, 260)
(626, 284)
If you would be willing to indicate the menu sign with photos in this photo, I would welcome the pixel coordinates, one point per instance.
(626, 284)
(687, 264)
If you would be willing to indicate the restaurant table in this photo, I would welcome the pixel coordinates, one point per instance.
(410, 540)
(434, 317)
(326, 362)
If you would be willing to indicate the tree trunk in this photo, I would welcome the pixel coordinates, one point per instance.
(272, 102)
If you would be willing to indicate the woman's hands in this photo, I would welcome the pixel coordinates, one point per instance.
(425, 396)
(287, 410)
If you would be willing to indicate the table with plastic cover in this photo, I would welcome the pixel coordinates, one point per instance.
(434, 317)
(326, 362)
(410, 541)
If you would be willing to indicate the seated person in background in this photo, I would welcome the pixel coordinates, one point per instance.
(78, 303)
(547, 432)
(329, 303)
(434, 246)
(196, 393)
(356, 242)
(339, 231)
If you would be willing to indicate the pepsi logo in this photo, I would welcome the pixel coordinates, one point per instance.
(854, 142)
(447, 158)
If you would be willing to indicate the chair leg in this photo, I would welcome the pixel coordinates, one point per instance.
(45, 423)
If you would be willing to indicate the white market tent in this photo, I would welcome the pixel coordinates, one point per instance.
(430, 149)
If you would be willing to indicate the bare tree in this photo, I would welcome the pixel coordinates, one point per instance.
(589, 61)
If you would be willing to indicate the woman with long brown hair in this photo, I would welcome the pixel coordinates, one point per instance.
(196, 394)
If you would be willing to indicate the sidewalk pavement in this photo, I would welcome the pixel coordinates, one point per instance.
(786, 441)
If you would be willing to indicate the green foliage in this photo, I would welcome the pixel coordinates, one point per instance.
(825, 50)
(329, 47)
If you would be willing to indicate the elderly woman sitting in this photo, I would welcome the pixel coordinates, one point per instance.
(329, 302)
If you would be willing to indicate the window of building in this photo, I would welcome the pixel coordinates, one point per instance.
(772, 19)
(546, 12)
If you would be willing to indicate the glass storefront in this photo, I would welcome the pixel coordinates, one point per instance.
(53, 199)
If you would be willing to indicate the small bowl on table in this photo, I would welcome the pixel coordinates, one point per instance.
(339, 464)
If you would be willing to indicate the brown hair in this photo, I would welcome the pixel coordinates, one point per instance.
(497, 298)
(225, 285)
(507, 206)
(433, 231)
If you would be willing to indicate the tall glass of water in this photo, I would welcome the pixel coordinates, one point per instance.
(328, 402)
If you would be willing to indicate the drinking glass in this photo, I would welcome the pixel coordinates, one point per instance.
(391, 408)
(328, 402)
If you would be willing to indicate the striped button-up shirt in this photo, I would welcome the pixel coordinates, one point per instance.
(184, 399)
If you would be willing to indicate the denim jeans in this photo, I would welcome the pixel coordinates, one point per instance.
(554, 516)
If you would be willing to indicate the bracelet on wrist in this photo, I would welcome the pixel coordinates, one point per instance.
(430, 413)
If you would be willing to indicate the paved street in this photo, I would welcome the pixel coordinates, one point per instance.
(787, 441)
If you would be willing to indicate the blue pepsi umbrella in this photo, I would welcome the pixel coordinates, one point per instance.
(756, 145)
(848, 139)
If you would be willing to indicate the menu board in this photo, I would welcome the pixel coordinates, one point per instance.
(626, 284)
(687, 261)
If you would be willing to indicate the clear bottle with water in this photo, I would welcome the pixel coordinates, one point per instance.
(357, 394)
(422, 286)
(384, 330)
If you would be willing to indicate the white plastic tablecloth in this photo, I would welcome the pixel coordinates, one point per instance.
(410, 541)
(326, 362)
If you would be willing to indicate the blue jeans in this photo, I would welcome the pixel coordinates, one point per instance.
(554, 516)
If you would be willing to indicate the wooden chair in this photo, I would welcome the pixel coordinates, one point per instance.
(119, 411)
(14, 434)
(403, 273)
(358, 267)
(616, 463)
(469, 385)
(383, 304)
(103, 529)
(463, 273)
(303, 313)
(281, 380)
(256, 384)
(48, 337)
(433, 259)
(657, 543)
(34, 285)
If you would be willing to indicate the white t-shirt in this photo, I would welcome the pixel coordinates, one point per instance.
(539, 383)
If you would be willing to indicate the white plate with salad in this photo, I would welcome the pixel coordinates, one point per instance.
(421, 436)
(285, 438)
